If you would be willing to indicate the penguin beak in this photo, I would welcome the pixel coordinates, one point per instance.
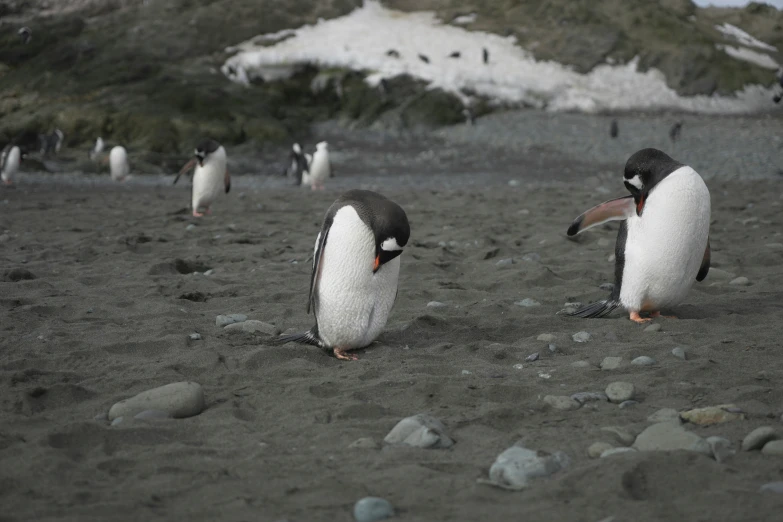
(639, 196)
(200, 160)
(640, 204)
(377, 264)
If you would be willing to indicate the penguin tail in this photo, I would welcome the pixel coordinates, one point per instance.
(309, 337)
(597, 309)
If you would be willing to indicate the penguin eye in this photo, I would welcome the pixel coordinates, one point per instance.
(390, 245)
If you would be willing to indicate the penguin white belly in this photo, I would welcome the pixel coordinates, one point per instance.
(118, 163)
(353, 303)
(665, 246)
(320, 168)
(208, 183)
(11, 166)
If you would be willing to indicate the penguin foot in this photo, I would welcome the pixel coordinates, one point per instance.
(342, 355)
(197, 214)
(635, 317)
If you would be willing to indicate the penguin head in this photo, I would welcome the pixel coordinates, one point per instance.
(645, 169)
(392, 232)
(297, 148)
(204, 149)
(321, 145)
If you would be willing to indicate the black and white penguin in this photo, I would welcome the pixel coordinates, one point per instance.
(394, 53)
(118, 163)
(25, 35)
(95, 152)
(10, 159)
(424, 58)
(51, 142)
(485, 55)
(299, 164)
(210, 177)
(674, 132)
(663, 243)
(614, 129)
(356, 265)
(455, 54)
(319, 168)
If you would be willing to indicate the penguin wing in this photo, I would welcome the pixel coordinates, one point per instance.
(318, 255)
(187, 168)
(227, 181)
(612, 210)
(705, 263)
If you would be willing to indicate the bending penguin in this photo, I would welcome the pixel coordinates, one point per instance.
(356, 265)
(663, 242)
(319, 168)
(118, 163)
(210, 177)
(10, 159)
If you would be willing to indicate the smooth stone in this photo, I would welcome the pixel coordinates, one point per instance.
(603, 242)
(547, 338)
(528, 303)
(253, 326)
(758, 437)
(517, 466)
(611, 363)
(513, 183)
(665, 415)
(607, 286)
(467, 372)
(519, 366)
(583, 397)
(653, 328)
(616, 451)
(178, 399)
(370, 509)
(102, 417)
(611, 258)
(552, 348)
(643, 360)
(533, 257)
(117, 421)
(532, 357)
(772, 487)
(596, 449)
(773, 447)
(505, 262)
(18, 274)
(580, 364)
(680, 353)
(209, 272)
(152, 415)
(721, 448)
(621, 434)
(435, 304)
(620, 391)
(190, 227)
(581, 337)
(740, 281)
(561, 402)
(628, 404)
(195, 336)
(225, 320)
(667, 436)
(717, 273)
(421, 431)
(364, 443)
(712, 415)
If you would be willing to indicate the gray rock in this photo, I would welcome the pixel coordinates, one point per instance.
(620, 391)
(607, 286)
(653, 328)
(152, 415)
(191, 226)
(740, 281)
(547, 338)
(581, 337)
(364, 443)
(758, 437)
(421, 431)
(597, 448)
(117, 421)
(253, 326)
(561, 402)
(616, 451)
(681, 353)
(467, 372)
(101, 417)
(611, 258)
(435, 304)
(611, 363)
(505, 262)
(225, 320)
(721, 448)
(532, 357)
(668, 436)
(580, 364)
(665, 415)
(583, 397)
(209, 272)
(532, 257)
(622, 435)
(603, 242)
(179, 399)
(527, 303)
(773, 447)
(643, 360)
(370, 509)
(195, 336)
(628, 404)
(552, 348)
(772, 487)
(517, 466)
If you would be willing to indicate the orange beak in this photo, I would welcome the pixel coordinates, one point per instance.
(640, 205)
(377, 264)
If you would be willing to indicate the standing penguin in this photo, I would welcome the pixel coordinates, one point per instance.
(210, 177)
(356, 266)
(96, 150)
(614, 130)
(10, 160)
(118, 163)
(319, 168)
(663, 243)
(299, 164)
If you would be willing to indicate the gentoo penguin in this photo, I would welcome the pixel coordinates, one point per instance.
(614, 129)
(210, 176)
(25, 34)
(674, 132)
(299, 164)
(663, 243)
(97, 149)
(424, 58)
(319, 169)
(485, 55)
(118, 163)
(51, 142)
(393, 53)
(455, 54)
(356, 264)
(10, 159)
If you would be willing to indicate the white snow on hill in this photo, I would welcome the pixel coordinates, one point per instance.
(362, 39)
(742, 37)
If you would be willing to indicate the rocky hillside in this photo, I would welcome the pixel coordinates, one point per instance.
(145, 72)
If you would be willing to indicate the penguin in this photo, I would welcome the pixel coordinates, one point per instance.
(51, 142)
(614, 129)
(424, 58)
(674, 132)
(299, 164)
(663, 243)
(393, 53)
(485, 55)
(25, 35)
(319, 168)
(10, 159)
(210, 176)
(96, 150)
(356, 266)
(455, 54)
(118, 163)
(469, 118)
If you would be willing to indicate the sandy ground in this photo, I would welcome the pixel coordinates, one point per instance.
(109, 313)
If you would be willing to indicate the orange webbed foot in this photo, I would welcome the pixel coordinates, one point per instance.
(342, 354)
(635, 317)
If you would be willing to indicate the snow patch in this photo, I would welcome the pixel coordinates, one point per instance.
(465, 19)
(732, 31)
(748, 55)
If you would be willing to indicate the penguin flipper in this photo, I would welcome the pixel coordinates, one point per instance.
(309, 337)
(188, 166)
(612, 210)
(597, 309)
(227, 181)
(317, 258)
(705, 263)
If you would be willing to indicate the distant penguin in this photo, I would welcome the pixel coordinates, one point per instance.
(25, 35)
(319, 168)
(663, 243)
(51, 142)
(356, 265)
(97, 149)
(118, 163)
(299, 164)
(210, 177)
(393, 53)
(424, 58)
(485, 55)
(674, 132)
(469, 119)
(10, 159)
(613, 129)
(383, 87)
(455, 54)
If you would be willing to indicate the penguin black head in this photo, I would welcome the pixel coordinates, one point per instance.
(204, 149)
(645, 169)
(25, 34)
(392, 232)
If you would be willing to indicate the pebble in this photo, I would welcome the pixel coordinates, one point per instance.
(547, 338)
(653, 328)
(665, 415)
(583, 397)
(643, 360)
(467, 372)
(597, 448)
(364, 443)
(102, 417)
(209, 272)
(620, 391)
(518, 366)
(616, 451)
(581, 337)
(607, 286)
(253, 326)
(370, 509)
(552, 348)
(611, 258)
(435, 304)
(532, 357)
(190, 227)
(517, 466)
(528, 303)
(152, 415)
(18, 274)
(628, 404)
(611, 363)
(758, 437)
(195, 336)
(580, 364)
(680, 353)
(505, 262)
(603, 242)
(513, 183)
(721, 448)
(740, 281)
(772, 487)
(225, 320)
(117, 421)
(667, 436)
(179, 399)
(624, 436)
(421, 431)
(773, 447)
(562, 402)
(533, 257)
(712, 415)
